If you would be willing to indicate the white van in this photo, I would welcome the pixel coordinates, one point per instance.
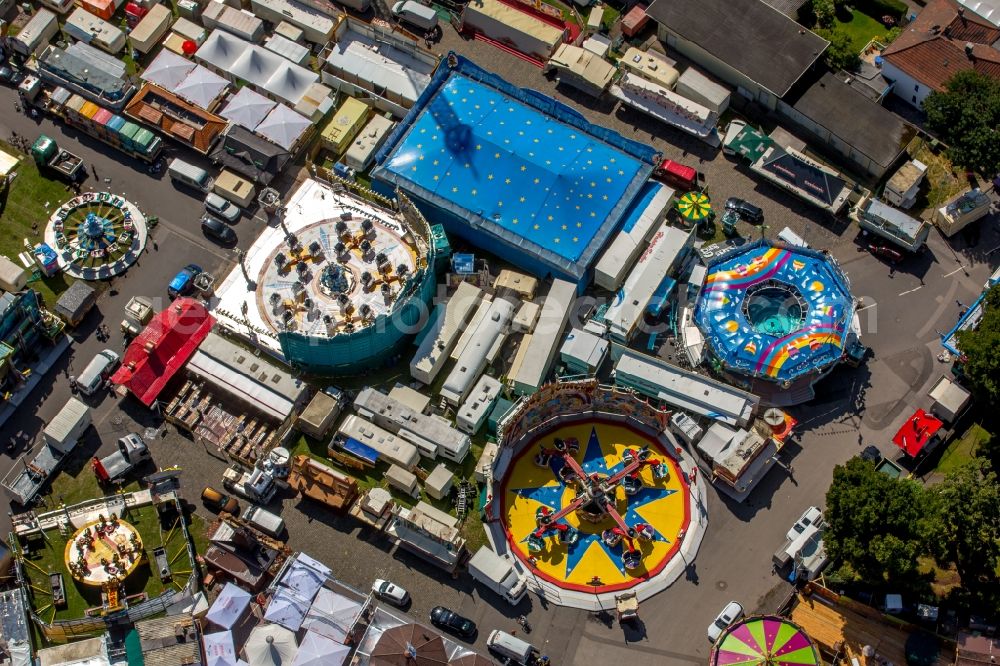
(267, 522)
(510, 647)
(414, 13)
(190, 175)
(97, 371)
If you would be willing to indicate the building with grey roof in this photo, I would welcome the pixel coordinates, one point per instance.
(93, 74)
(433, 436)
(747, 43)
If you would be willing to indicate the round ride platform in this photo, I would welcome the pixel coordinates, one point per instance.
(103, 551)
(588, 548)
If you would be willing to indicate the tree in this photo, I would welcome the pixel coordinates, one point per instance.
(966, 528)
(981, 348)
(967, 116)
(825, 12)
(840, 54)
(877, 524)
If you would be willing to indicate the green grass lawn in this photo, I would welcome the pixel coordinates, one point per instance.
(48, 556)
(25, 207)
(861, 28)
(962, 450)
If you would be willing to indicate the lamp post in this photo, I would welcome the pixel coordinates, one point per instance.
(241, 258)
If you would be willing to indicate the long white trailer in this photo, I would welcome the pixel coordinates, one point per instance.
(537, 351)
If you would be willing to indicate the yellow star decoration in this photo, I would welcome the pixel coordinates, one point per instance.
(496, 156)
(556, 239)
(605, 197)
(524, 168)
(579, 225)
(435, 162)
(454, 189)
(620, 172)
(421, 158)
(413, 168)
(489, 177)
(522, 200)
(551, 218)
(506, 181)
(479, 146)
(564, 227)
(537, 181)
(536, 227)
(420, 145)
(575, 239)
(474, 192)
(436, 176)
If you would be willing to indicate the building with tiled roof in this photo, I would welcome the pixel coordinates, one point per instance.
(944, 40)
(177, 118)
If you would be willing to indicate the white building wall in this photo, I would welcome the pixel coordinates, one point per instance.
(905, 87)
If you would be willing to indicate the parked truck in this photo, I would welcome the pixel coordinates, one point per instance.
(131, 451)
(49, 156)
(255, 484)
(25, 479)
(498, 574)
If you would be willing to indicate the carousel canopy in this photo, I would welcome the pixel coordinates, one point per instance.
(409, 645)
(694, 206)
(270, 645)
(765, 641)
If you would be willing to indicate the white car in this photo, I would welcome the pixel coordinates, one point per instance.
(219, 207)
(390, 592)
(812, 516)
(731, 613)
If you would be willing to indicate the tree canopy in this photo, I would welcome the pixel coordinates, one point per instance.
(841, 54)
(981, 347)
(967, 116)
(877, 524)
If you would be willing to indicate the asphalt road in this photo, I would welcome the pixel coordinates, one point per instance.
(903, 310)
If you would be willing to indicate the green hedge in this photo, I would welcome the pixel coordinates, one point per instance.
(897, 9)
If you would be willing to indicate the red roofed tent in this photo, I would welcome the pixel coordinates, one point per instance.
(916, 432)
(162, 348)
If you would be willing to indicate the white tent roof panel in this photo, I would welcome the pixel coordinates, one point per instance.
(247, 108)
(229, 607)
(168, 70)
(283, 126)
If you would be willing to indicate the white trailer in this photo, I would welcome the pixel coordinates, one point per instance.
(151, 29)
(498, 574)
(64, 431)
(527, 34)
(36, 34)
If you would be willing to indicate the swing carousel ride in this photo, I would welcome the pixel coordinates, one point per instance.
(96, 235)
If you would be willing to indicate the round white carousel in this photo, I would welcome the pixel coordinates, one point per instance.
(96, 235)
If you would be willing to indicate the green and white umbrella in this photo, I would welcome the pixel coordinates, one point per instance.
(695, 207)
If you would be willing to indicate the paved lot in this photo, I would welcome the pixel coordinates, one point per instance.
(903, 312)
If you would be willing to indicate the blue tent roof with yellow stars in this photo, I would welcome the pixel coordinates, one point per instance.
(515, 166)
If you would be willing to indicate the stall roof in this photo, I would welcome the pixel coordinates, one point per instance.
(202, 86)
(916, 432)
(255, 157)
(283, 126)
(168, 70)
(75, 300)
(162, 348)
(254, 379)
(247, 108)
(229, 606)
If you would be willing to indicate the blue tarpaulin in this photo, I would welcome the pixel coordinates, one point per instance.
(463, 264)
(660, 296)
(363, 451)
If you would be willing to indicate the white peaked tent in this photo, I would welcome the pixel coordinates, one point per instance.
(283, 126)
(302, 579)
(225, 661)
(247, 108)
(315, 564)
(202, 87)
(168, 70)
(332, 615)
(219, 646)
(290, 82)
(287, 609)
(318, 650)
(229, 607)
(270, 645)
(221, 50)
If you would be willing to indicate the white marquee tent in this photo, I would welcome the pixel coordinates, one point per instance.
(229, 607)
(202, 87)
(283, 126)
(287, 609)
(318, 650)
(247, 108)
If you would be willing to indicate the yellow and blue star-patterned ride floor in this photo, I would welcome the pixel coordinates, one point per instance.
(590, 565)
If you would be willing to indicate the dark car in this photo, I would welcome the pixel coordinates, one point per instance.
(449, 620)
(218, 230)
(745, 210)
(11, 77)
(183, 282)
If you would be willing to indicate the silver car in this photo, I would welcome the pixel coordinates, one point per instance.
(219, 207)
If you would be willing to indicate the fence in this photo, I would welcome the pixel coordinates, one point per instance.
(60, 631)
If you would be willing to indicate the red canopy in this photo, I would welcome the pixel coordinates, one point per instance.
(162, 348)
(916, 432)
